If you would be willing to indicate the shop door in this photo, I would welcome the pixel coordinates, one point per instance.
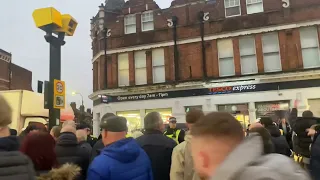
(239, 111)
(314, 106)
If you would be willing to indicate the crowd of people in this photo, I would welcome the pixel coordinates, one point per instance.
(214, 147)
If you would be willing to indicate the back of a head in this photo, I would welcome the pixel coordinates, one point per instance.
(69, 123)
(40, 148)
(194, 115)
(218, 124)
(266, 121)
(56, 131)
(70, 129)
(307, 114)
(81, 135)
(152, 121)
(5, 112)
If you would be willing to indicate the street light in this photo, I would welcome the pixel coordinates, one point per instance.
(75, 93)
(56, 26)
(106, 33)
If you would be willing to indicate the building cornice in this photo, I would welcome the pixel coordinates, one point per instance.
(207, 38)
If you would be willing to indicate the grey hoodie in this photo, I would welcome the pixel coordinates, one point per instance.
(247, 162)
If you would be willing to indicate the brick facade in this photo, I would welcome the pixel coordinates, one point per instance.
(190, 54)
(21, 78)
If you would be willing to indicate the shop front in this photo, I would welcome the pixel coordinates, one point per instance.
(275, 109)
(246, 102)
(239, 111)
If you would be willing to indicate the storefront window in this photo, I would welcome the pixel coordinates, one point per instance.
(239, 111)
(165, 113)
(188, 108)
(314, 105)
(133, 118)
(276, 109)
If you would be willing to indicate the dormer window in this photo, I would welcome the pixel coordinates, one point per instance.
(232, 8)
(147, 21)
(254, 6)
(130, 24)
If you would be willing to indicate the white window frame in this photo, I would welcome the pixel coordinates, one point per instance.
(219, 58)
(303, 48)
(263, 53)
(140, 68)
(256, 2)
(247, 55)
(156, 66)
(130, 24)
(225, 8)
(142, 22)
(123, 85)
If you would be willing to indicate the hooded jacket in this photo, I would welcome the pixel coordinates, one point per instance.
(257, 166)
(182, 162)
(121, 160)
(13, 164)
(301, 140)
(69, 151)
(279, 141)
(66, 172)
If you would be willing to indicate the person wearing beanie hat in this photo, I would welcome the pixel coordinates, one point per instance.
(13, 164)
(122, 158)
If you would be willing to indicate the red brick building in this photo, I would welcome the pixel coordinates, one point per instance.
(262, 53)
(20, 78)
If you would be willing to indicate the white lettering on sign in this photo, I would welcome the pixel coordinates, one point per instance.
(170, 22)
(245, 87)
(285, 3)
(143, 96)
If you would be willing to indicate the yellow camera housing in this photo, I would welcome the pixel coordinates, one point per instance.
(69, 25)
(47, 18)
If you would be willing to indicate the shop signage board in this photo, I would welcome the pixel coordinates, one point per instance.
(211, 91)
(59, 94)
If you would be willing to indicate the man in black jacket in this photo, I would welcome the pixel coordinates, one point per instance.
(301, 140)
(69, 151)
(158, 147)
(13, 164)
(279, 141)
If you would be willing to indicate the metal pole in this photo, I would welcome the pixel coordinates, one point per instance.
(54, 73)
(10, 73)
(105, 31)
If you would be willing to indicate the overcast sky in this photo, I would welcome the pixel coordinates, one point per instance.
(19, 36)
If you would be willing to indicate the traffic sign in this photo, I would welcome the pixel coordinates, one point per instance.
(59, 94)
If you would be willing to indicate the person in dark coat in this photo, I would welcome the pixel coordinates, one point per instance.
(91, 140)
(300, 139)
(69, 151)
(287, 131)
(82, 140)
(315, 152)
(122, 158)
(158, 146)
(98, 146)
(281, 145)
(14, 165)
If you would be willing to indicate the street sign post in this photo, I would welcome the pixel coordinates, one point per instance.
(56, 26)
(59, 94)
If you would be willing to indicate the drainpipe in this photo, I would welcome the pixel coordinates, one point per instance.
(203, 47)
(176, 51)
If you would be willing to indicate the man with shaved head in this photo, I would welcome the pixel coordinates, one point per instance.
(68, 149)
